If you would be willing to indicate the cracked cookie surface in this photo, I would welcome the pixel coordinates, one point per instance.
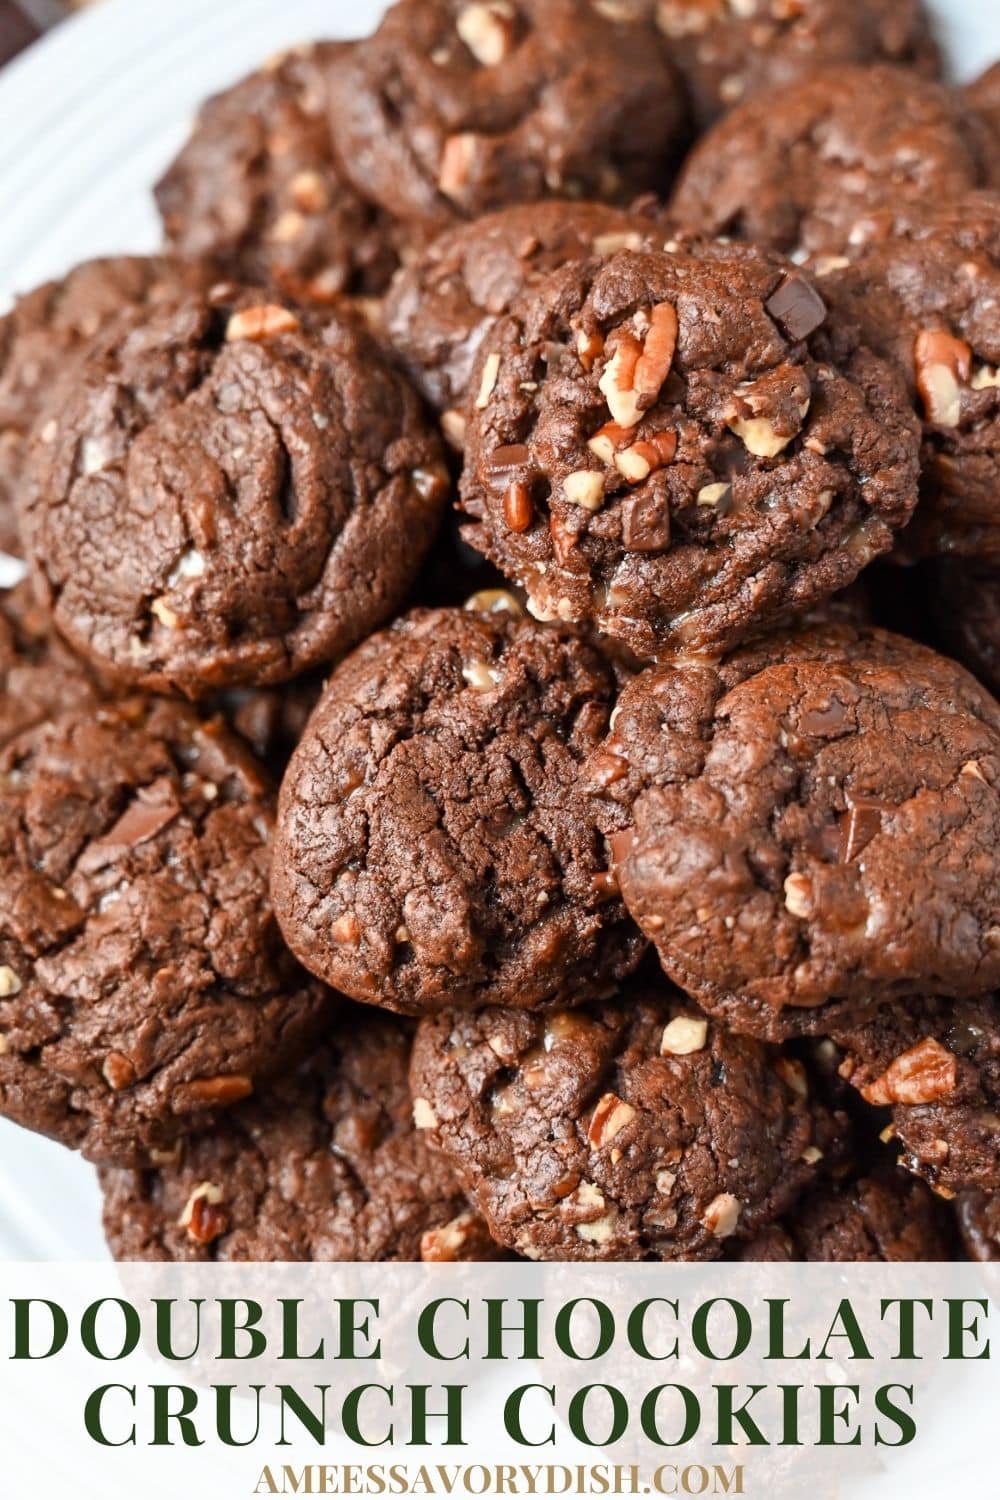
(143, 981)
(927, 301)
(727, 53)
(625, 1131)
(833, 160)
(815, 826)
(43, 335)
(325, 1165)
(259, 193)
(443, 305)
(936, 1063)
(663, 444)
(435, 845)
(452, 109)
(231, 494)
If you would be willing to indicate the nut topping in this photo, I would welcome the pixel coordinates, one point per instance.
(203, 1218)
(722, 1215)
(943, 365)
(457, 160)
(585, 487)
(608, 1120)
(684, 1035)
(424, 1117)
(487, 385)
(10, 983)
(636, 369)
(259, 323)
(798, 895)
(926, 1072)
(487, 31)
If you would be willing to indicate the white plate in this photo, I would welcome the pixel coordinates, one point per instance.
(88, 119)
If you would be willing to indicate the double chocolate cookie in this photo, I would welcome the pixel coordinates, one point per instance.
(41, 338)
(664, 444)
(259, 193)
(441, 308)
(887, 1216)
(728, 51)
(326, 1165)
(143, 981)
(454, 107)
(436, 845)
(231, 493)
(927, 300)
(936, 1063)
(836, 159)
(815, 826)
(626, 1131)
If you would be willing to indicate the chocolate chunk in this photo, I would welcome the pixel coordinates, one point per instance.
(797, 307)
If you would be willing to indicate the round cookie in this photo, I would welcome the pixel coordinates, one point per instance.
(622, 1131)
(39, 676)
(143, 982)
(729, 52)
(325, 1165)
(815, 826)
(452, 109)
(41, 337)
(663, 445)
(888, 1216)
(259, 193)
(984, 96)
(927, 301)
(936, 1062)
(965, 605)
(838, 158)
(979, 1225)
(230, 494)
(443, 305)
(435, 845)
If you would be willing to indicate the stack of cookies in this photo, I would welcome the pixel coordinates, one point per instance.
(459, 795)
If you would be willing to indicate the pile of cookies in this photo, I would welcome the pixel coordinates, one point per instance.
(459, 794)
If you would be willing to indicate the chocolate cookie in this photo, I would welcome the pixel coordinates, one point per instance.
(936, 1062)
(230, 494)
(815, 826)
(889, 1216)
(622, 1131)
(979, 1225)
(838, 158)
(39, 676)
(441, 308)
(662, 444)
(325, 1165)
(927, 300)
(259, 192)
(452, 109)
(435, 845)
(965, 605)
(143, 982)
(728, 52)
(41, 337)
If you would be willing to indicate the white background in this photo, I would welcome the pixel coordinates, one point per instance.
(88, 120)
